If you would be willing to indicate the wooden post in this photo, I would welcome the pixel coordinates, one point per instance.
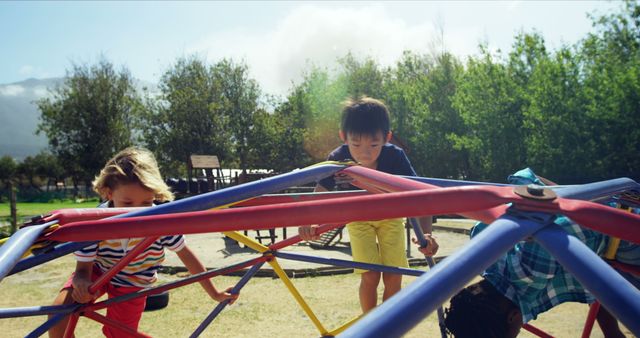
(14, 209)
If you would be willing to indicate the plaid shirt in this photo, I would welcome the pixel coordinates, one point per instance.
(530, 277)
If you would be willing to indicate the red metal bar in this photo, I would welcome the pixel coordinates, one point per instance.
(611, 221)
(591, 319)
(114, 324)
(295, 239)
(71, 325)
(348, 209)
(64, 216)
(290, 198)
(390, 183)
(106, 277)
(336, 210)
(536, 331)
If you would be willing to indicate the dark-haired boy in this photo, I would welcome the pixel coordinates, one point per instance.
(527, 281)
(365, 131)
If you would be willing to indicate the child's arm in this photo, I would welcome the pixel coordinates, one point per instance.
(81, 282)
(308, 232)
(432, 245)
(194, 266)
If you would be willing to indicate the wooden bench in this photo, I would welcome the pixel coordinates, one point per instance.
(207, 164)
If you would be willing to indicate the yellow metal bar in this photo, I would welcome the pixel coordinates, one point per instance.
(246, 241)
(344, 326)
(346, 163)
(287, 282)
(612, 248)
(614, 242)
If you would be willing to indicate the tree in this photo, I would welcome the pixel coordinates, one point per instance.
(201, 109)
(419, 92)
(238, 101)
(277, 138)
(89, 117)
(48, 166)
(8, 168)
(490, 104)
(361, 77)
(28, 169)
(610, 61)
(558, 132)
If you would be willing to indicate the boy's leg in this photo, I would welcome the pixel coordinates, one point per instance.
(63, 298)
(128, 313)
(391, 238)
(608, 324)
(369, 281)
(362, 236)
(392, 284)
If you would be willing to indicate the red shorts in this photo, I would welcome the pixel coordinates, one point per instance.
(127, 313)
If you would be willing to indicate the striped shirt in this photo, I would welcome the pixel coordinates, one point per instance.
(142, 270)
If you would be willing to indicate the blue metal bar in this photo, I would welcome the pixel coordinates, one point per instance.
(58, 251)
(597, 190)
(17, 245)
(236, 290)
(586, 192)
(348, 264)
(42, 329)
(412, 304)
(612, 290)
(182, 282)
(417, 230)
(240, 192)
(36, 310)
(202, 202)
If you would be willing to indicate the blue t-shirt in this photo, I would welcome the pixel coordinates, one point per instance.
(392, 160)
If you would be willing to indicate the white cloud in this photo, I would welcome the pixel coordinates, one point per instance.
(29, 71)
(317, 35)
(26, 70)
(11, 90)
(513, 5)
(41, 91)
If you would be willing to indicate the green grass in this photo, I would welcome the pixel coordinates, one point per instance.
(32, 209)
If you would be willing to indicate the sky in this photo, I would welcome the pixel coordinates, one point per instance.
(277, 40)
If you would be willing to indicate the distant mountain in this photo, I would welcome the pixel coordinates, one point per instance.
(19, 115)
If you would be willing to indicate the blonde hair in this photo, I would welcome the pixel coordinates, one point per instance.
(132, 165)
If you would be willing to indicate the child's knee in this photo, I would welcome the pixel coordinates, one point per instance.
(392, 279)
(370, 278)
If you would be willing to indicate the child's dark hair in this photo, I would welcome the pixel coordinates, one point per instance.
(365, 116)
(477, 311)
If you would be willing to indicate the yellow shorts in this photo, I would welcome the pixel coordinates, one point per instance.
(378, 242)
